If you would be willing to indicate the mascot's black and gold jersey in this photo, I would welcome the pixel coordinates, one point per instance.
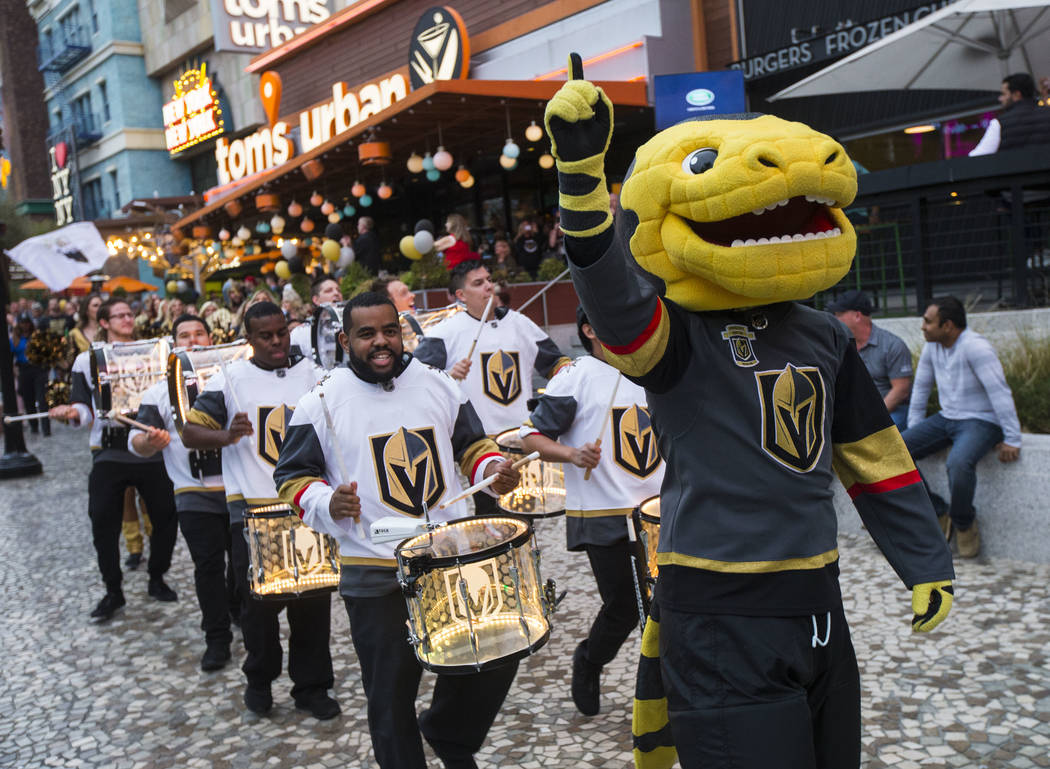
(269, 398)
(756, 408)
(401, 445)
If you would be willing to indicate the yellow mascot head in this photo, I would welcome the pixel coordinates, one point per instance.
(740, 211)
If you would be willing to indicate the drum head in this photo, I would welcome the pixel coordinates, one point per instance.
(124, 371)
(509, 442)
(649, 510)
(465, 540)
(190, 369)
(324, 335)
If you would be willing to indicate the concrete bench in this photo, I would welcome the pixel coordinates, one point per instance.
(1012, 501)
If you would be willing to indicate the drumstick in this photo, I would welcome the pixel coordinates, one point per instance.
(344, 475)
(605, 422)
(633, 540)
(484, 317)
(131, 422)
(27, 417)
(484, 484)
(233, 393)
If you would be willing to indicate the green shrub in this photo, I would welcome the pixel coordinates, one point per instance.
(550, 268)
(1027, 368)
(428, 272)
(356, 275)
(301, 284)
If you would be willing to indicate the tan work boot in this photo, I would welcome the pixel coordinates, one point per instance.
(946, 525)
(968, 541)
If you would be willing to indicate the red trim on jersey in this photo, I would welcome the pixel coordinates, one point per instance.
(889, 484)
(481, 459)
(303, 491)
(642, 338)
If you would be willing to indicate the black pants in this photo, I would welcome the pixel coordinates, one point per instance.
(757, 692)
(463, 708)
(485, 504)
(208, 539)
(106, 485)
(309, 623)
(618, 614)
(32, 386)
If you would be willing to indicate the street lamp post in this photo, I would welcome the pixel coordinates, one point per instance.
(16, 461)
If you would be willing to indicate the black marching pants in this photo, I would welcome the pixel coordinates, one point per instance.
(32, 386)
(207, 536)
(761, 692)
(463, 708)
(618, 615)
(309, 624)
(106, 485)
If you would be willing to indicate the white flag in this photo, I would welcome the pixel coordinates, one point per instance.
(61, 256)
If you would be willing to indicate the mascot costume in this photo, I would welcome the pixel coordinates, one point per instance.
(758, 401)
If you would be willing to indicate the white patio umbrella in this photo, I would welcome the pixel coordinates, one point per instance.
(968, 45)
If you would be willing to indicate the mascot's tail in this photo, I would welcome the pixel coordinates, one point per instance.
(653, 746)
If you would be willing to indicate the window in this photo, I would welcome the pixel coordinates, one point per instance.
(56, 120)
(82, 113)
(94, 204)
(104, 100)
(116, 187)
(47, 45)
(70, 24)
(94, 17)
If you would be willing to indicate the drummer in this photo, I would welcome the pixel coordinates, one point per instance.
(497, 377)
(325, 290)
(114, 469)
(200, 500)
(267, 386)
(401, 428)
(573, 409)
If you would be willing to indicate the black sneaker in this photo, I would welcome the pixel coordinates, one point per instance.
(586, 683)
(133, 560)
(157, 589)
(258, 700)
(110, 604)
(319, 705)
(215, 656)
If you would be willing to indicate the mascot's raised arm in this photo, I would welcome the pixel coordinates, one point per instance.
(759, 401)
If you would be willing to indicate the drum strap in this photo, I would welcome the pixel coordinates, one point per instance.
(115, 438)
(205, 462)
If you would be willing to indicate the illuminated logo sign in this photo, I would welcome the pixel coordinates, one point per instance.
(193, 115)
(439, 49)
(253, 26)
(700, 97)
(347, 109)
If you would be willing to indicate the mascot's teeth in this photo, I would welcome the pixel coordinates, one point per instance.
(822, 201)
(758, 211)
(786, 238)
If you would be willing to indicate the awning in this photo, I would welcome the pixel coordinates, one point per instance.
(472, 115)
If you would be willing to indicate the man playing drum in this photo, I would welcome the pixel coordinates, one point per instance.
(400, 427)
(245, 412)
(325, 290)
(114, 469)
(508, 348)
(588, 405)
(200, 499)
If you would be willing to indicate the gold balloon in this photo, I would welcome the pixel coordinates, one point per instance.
(330, 250)
(282, 270)
(408, 248)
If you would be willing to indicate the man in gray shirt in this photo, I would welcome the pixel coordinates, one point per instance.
(885, 355)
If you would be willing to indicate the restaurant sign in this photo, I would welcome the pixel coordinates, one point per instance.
(193, 115)
(254, 26)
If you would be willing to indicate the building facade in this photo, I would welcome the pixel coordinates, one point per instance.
(105, 130)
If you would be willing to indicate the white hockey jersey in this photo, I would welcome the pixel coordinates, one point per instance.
(509, 348)
(196, 474)
(572, 410)
(268, 397)
(400, 445)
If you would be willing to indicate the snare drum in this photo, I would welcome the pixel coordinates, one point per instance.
(541, 493)
(288, 559)
(189, 370)
(475, 600)
(324, 335)
(123, 371)
(646, 521)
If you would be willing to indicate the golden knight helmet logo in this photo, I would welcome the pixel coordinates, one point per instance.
(634, 442)
(792, 415)
(501, 376)
(408, 469)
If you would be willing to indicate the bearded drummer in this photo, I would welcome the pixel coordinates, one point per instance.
(114, 469)
(497, 376)
(575, 417)
(200, 500)
(266, 387)
(401, 427)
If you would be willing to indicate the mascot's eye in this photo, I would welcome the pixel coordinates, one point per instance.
(698, 161)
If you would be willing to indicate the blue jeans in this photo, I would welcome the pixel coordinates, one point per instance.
(970, 439)
(900, 417)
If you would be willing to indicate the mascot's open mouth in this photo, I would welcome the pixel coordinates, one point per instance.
(795, 219)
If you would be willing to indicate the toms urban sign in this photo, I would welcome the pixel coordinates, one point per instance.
(254, 26)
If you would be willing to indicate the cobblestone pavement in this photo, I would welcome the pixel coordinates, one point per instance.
(129, 694)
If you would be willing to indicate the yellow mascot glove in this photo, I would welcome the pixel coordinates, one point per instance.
(579, 119)
(931, 602)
